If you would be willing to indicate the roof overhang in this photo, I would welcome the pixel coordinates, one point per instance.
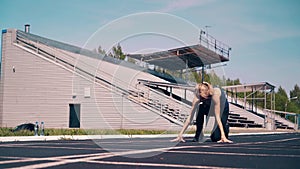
(183, 57)
(263, 86)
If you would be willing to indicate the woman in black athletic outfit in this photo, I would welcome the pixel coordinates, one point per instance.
(209, 101)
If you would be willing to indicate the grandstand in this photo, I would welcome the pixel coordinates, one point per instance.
(246, 112)
(65, 86)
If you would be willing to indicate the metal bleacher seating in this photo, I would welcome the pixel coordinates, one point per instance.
(280, 125)
(160, 104)
(238, 116)
(236, 120)
(171, 111)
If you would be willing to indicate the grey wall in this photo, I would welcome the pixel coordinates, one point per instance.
(39, 89)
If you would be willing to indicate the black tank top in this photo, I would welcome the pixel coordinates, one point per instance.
(204, 105)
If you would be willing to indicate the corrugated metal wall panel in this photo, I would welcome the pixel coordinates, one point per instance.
(36, 91)
(39, 90)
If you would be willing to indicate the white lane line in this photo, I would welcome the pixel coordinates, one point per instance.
(225, 145)
(19, 159)
(234, 154)
(271, 141)
(113, 154)
(43, 165)
(46, 142)
(28, 159)
(71, 148)
(95, 157)
(156, 164)
(262, 148)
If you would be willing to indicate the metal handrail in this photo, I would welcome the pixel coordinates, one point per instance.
(213, 44)
(184, 109)
(271, 114)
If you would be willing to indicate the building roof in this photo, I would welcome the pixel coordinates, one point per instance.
(183, 57)
(249, 87)
(74, 49)
(21, 35)
(57, 44)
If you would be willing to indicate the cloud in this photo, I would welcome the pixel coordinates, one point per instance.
(183, 4)
(259, 33)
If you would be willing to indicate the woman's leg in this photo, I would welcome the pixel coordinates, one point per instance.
(199, 125)
(216, 134)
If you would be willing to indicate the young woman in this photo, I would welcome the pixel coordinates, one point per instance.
(209, 100)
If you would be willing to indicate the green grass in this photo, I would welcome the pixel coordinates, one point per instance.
(53, 132)
(8, 132)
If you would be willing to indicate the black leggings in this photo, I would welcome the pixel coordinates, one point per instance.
(216, 133)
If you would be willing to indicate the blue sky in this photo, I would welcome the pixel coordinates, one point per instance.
(264, 34)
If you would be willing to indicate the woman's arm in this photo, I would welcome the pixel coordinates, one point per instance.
(187, 121)
(217, 99)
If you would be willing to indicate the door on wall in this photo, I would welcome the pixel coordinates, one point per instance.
(74, 119)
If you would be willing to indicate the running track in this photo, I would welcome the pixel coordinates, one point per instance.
(247, 151)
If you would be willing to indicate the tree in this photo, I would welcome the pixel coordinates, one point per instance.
(101, 51)
(118, 53)
(295, 93)
(294, 103)
(281, 99)
(230, 82)
(215, 79)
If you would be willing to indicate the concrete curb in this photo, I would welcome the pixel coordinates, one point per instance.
(88, 137)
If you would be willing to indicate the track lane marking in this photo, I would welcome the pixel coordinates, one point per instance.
(102, 156)
(92, 157)
(156, 164)
(234, 154)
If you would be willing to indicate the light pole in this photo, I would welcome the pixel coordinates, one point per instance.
(294, 98)
(206, 31)
(206, 28)
(286, 103)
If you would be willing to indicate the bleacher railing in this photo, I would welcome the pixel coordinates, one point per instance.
(166, 104)
(213, 44)
(273, 115)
